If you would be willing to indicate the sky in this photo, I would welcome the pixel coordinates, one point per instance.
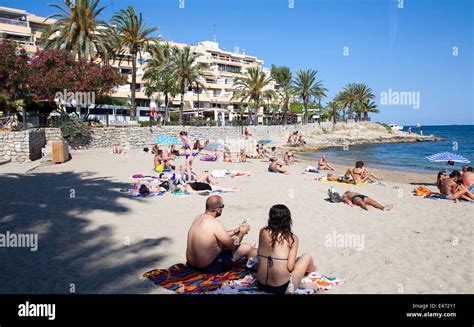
(424, 47)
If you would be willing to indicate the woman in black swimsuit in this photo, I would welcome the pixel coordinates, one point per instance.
(279, 271)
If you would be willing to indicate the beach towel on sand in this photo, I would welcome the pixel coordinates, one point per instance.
(240, 279)
(248, 285)
(183, 279)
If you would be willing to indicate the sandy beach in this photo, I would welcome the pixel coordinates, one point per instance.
(95, 239)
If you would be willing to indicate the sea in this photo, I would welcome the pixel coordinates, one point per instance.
(407, 156)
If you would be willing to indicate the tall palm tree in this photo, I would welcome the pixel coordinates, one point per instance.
(282, 77)
(367, 107)
(130, 35)
(307, 86)
(286, 95)
(187, 71)
(76, 29)
(333, 107)
(347, 98)
(158, 76)
(363, 95)
(254, 87)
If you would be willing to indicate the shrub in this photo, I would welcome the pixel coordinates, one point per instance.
(73, 129)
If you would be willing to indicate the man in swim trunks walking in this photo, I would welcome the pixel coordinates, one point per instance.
(210, 248)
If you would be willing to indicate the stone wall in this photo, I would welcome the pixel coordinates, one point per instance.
(139, 137)
(22, 146)
(26, 145)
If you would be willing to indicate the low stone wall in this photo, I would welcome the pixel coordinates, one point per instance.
(27, 145)
(22, 146)
(139, 137)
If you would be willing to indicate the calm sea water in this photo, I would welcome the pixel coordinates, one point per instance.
(408, 156)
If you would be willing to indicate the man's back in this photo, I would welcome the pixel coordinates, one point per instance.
(202, 245)
(467, 178)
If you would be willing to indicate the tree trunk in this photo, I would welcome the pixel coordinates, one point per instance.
(305, 113)
(133, 105)
(181, 105)
(165, 120)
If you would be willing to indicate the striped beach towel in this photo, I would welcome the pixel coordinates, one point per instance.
(181, 278)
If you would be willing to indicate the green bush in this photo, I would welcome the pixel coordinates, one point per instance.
(73, 128)
(388, 128)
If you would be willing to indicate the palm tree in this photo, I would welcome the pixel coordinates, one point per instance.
(131, 35)
(158, 76)
(254, 87)
(333, 108)
(286, 95)
(368, 106)
(306, 86)
(187, 72)
(76, 29)
(363, 95)
(347, 99)
(282, 77)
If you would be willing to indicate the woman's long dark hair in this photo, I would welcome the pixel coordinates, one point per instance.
(279, 225)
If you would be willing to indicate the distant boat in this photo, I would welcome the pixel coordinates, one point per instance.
(418, 125)
(395, 127)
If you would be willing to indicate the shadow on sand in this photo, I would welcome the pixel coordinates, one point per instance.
(70, 250)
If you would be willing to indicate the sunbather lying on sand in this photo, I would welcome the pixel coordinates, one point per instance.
(342, 178)
(203, 188)
(279, 270)
(152, 186)
(275, 166)
(363, 201)
(218, 173)
(210, 248)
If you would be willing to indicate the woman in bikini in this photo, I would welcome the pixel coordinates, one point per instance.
(188, 152)
(363, 201)
(279, 270)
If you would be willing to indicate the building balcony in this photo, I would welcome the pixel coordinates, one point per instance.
(18, 29)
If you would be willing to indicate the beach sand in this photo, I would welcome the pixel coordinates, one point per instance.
(95, 239)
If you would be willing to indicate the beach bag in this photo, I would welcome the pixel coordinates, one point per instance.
(422, 191)
(334, 197)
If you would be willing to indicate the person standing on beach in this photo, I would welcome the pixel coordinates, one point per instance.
(210, 248)
(152, 116)
(188, 152)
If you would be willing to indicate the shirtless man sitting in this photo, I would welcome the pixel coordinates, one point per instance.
(360, 174)
(210, 248)
(468, 178)
(452, 189)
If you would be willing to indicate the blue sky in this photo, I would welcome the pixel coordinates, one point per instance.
(403, 49)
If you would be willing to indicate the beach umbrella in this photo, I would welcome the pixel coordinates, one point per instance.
(447, 156)
(166, 140)
(266, 142)
(214, 146)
